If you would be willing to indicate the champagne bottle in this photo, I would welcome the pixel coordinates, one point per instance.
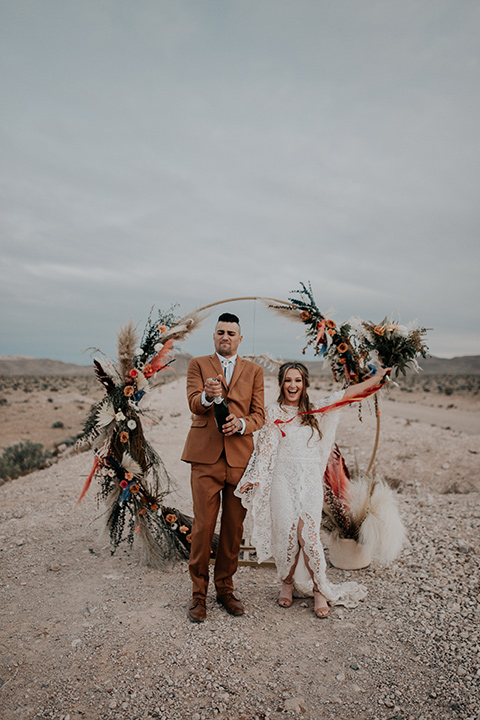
(221, 411)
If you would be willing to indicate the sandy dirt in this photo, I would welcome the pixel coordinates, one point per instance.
(86, 634)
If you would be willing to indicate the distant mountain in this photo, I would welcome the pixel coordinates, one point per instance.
(465, 365)
(16, 365)
(21, 366)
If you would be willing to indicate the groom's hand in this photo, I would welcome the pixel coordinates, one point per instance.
(213, 387)
(232, 426)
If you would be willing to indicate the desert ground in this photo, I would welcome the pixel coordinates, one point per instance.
(87, 634)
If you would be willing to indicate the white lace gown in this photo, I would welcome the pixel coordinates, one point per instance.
(289, 472)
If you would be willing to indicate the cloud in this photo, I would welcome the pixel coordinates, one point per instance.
(183, 153)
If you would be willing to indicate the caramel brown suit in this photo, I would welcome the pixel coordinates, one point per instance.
(217, 464)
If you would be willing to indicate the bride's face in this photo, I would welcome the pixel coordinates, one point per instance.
(292, 387)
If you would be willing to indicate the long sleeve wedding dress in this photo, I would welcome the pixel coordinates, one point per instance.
(289, 472)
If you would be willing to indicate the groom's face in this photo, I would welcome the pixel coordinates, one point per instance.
(227, 338)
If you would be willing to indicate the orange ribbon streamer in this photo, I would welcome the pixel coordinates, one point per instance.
(89, 479)
(333, 406)
(320, 332)
(159, 361)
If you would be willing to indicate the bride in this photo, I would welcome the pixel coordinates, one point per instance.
(282, 489)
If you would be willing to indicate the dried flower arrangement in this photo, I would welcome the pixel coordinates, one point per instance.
(355, 347)
(133, 479)
(364, 509)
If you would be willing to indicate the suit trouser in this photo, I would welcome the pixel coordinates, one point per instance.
(210, 484)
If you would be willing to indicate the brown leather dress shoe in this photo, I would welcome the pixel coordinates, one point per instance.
(231, 604)
(197, 611)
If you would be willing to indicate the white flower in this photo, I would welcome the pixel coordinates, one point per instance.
(357, 328)
(174, 526)
(119, 416)
(141, 381)
(158, 347)
(111, 473)
(131, 424)
(138, 351)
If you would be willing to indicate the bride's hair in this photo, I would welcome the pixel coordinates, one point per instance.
(304, 404)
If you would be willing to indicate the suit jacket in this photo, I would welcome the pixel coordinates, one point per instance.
(244, 395)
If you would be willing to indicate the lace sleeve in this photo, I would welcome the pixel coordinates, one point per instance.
(264, 454)
(335, 397)
(328, 424)
(259, 473)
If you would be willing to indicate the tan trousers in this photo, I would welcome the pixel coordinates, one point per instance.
(210, 485)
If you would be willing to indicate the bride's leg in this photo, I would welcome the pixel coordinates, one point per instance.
(285, 598)
(320, 607)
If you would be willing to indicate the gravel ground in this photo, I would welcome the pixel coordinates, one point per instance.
(89, 635)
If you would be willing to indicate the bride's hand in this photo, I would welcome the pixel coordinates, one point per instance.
(382, 374)
(247, 486)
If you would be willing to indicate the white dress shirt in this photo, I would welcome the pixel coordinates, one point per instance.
(228, 365)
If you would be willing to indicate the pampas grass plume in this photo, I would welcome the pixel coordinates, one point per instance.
(382, 531)
(127, 341)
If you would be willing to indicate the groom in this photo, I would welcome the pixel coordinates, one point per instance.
(218, 460)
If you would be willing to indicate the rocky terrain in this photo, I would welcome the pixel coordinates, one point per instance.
(89, 635)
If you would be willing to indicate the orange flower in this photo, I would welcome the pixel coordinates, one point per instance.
(332, 332)
(128, 476)
(330, 323)
(162, 329)
(342, 361)
(342, 348)
(183, 529)
(142, 511)
(379, 330)
(134, 489)
(128, 391)
(123, 436)
(305, 315)
(189, 537)
(154, 507)
(147, 369)
(133, 373)
(171, 518)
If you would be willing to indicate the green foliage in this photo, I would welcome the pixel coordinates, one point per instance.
(152, 333)
(23, 458)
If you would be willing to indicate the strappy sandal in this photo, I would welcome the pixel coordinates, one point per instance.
(285, 601)
(320, 612)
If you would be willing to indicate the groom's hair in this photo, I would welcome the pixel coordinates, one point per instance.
(229, 317)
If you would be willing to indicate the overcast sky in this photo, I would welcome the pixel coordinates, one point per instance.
(157, 152)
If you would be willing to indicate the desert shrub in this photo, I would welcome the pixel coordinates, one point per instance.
(22, 458)
(58, 424)
(448, 390)
(3, 401)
